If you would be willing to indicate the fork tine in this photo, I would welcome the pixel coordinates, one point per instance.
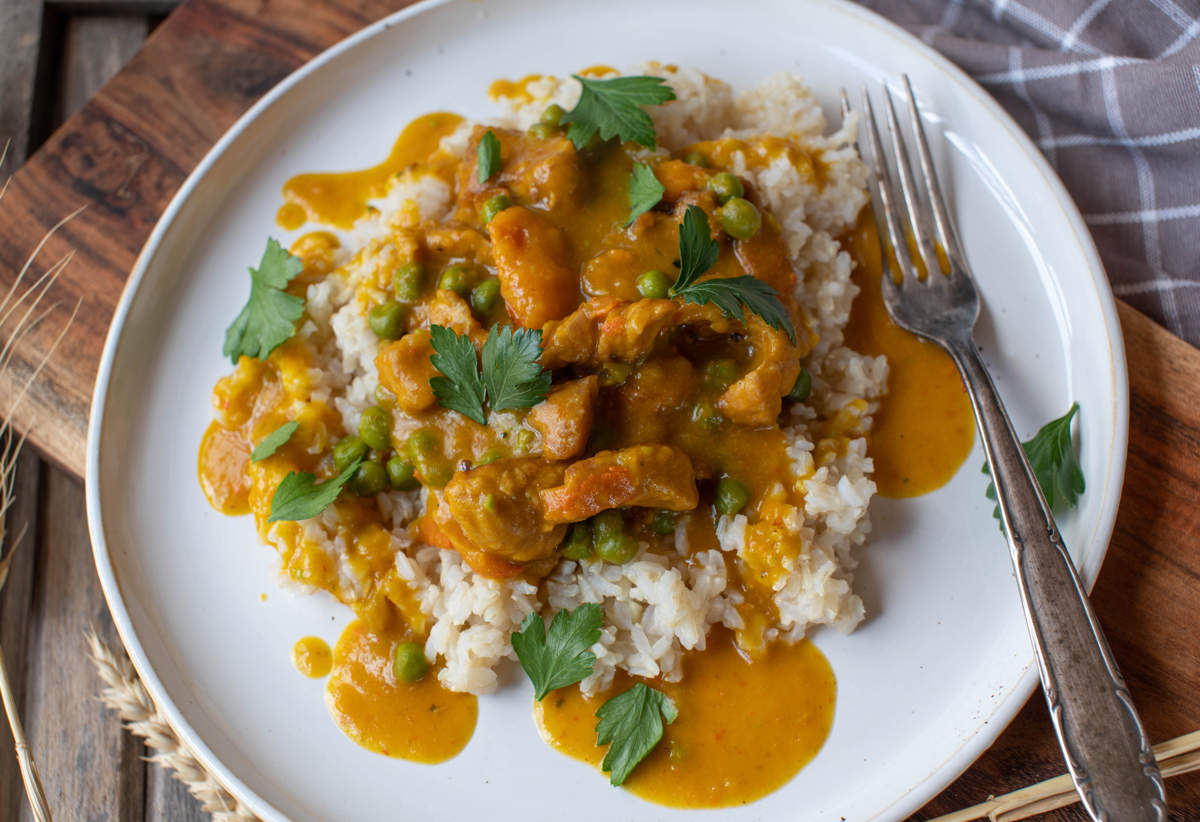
(887, 224)
(941, 216)
(918, 215)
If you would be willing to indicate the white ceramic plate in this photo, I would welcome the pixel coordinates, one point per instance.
(924, 685)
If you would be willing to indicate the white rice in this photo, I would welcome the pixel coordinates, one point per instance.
(656, 607)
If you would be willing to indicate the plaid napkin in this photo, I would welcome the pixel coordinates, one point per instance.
(1110, 92)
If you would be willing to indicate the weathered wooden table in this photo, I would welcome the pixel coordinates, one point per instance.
(127, 151)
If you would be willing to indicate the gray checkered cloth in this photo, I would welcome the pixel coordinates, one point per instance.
(1110, 92)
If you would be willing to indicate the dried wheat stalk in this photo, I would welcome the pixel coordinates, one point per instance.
(21, 311)
(125, 694)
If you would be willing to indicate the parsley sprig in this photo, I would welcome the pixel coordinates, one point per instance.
(488, 155)
(612, 108)
(698, 251)
(510, 377)
(1052, 456)
(560, 656)
(632, 722)
(268, 319)
(273, 441)
(644, 191)
(300, 496)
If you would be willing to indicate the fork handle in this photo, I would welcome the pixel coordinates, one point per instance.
(1107, 751)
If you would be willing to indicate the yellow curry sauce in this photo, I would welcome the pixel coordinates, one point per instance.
(744, 727)
(634, 398)
(312, 657)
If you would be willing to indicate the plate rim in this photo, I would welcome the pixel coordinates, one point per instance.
(940, 775)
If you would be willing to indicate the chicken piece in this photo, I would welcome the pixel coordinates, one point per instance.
(677, 177)
(405, 369)
(531, 261)
(652, 476)
(541, 172)
(757, 398)
(646, 401)
(606, 328)
(452, 311)
(458, 241)
(496, 509)
(564, 418)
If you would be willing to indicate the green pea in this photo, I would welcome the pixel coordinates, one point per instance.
(493, 206)
(663, 523)
(705, 414)
(456, 278)
(542, 131)
(369, 480)
(421, 444)
(485, 296)
(731, 497)
(653, 285)
(409, 663)
(387, 320)
(613, 543)
(614, 372)
(383, 396)
(375, 428)
(578, 542)
(725, 185)
(408, 281)
(347, 450)
(435, 474)
(803, 387)
(739, 218)
(695, 158)
(553, 115)
(720, 373)
(489, 503)
(401, 474)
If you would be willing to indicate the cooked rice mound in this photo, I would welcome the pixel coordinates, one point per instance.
(663, 603)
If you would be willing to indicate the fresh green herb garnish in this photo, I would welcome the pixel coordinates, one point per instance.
(558, 657)
(488, 155)
(698, 251)
(300, 496)
(271, 442)
(461, 387)
(510, 377)
(1052, 457)
(644, 191)
(268, 319)
(511, 372)
(612, 108)
(633, 722)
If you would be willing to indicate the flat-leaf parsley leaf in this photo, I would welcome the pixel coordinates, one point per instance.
(488, 155)
(511, 372)
(268, 319)
(558, 657)
(461, 388)
(271, 442)
(698, 251)
(510, 377)
(300, 496)
(644, 191)
(633, 722)
(1052, 456)
(612, 108)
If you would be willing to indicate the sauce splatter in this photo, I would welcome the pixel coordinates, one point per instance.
(312, 657)
(744, 729)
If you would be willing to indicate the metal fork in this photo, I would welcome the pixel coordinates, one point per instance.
(1105, 746)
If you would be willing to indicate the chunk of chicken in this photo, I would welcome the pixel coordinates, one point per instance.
(565, 417)
(452, 311)
(678, 177)
(757, 398)
(496, 510)
(606, 328)
(657, 476)
(405, 370)
(458, 241)
(543, 172)
(531, 261)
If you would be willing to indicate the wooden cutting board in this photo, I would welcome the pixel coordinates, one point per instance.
(126, 153)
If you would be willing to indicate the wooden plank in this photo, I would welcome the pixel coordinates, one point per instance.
(92, 768)
(168, 800)
(95, 48)
(21, 24)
